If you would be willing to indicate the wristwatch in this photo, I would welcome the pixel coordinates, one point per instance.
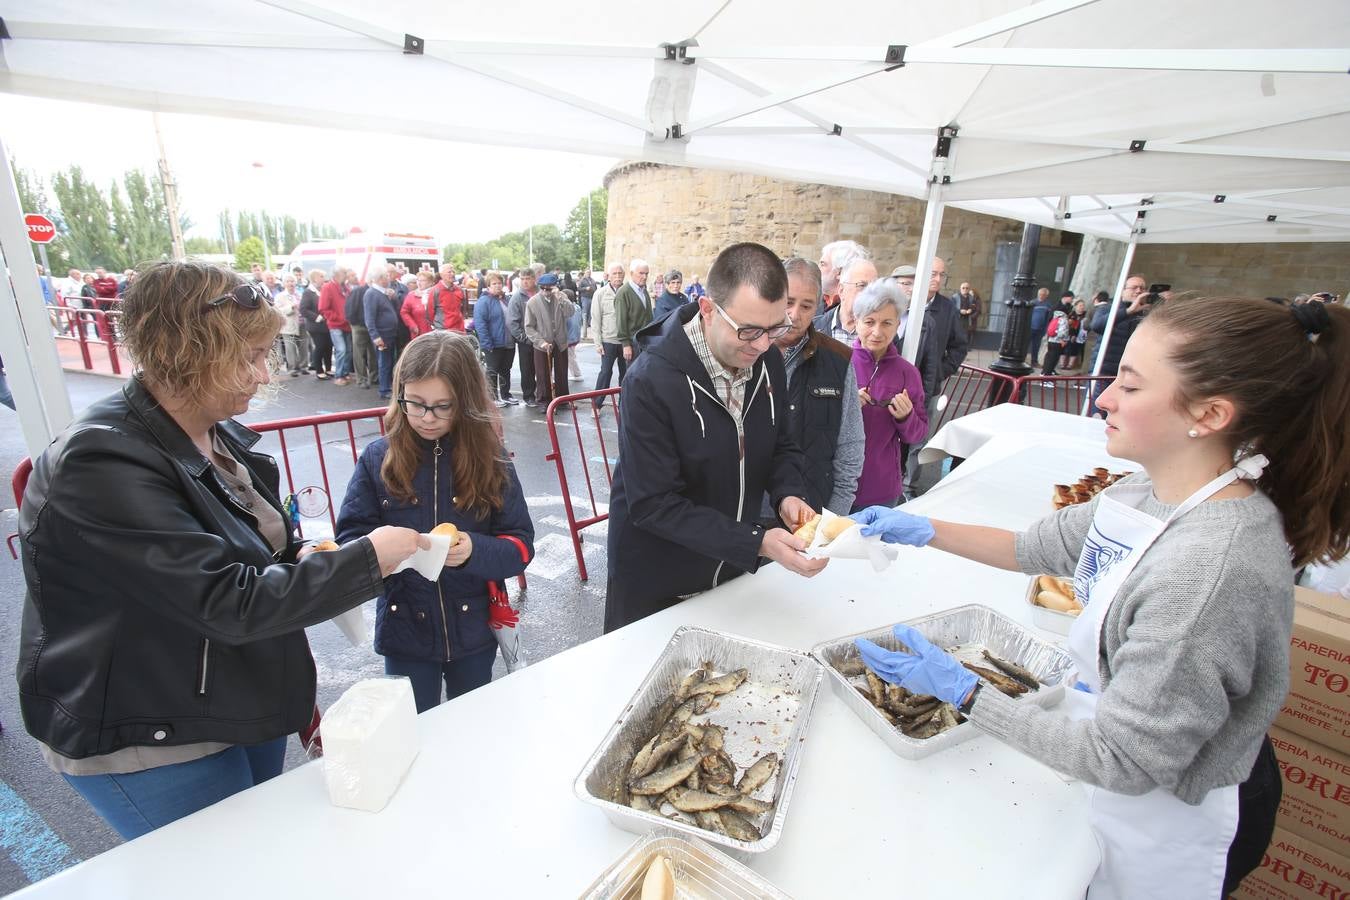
(964, 708)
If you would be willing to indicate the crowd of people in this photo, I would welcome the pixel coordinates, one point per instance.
(158, 684)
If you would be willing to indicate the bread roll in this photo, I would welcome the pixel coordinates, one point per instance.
(807, 532)
(837, 526)
(1056, 601)
(447, 528)
(659, 882)
(326, 545)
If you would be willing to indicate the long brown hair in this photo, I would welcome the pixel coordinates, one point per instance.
(1290, 385)
(477, 458)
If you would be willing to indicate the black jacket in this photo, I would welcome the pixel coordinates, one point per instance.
(684, 507)
(1126, 323)
(943, 345)
(815, 411)
(156, 613)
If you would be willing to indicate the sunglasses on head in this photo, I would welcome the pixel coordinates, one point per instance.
(249, 295)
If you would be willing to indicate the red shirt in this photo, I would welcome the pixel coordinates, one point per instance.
(416, 312)
(333, 306)
(451, 301)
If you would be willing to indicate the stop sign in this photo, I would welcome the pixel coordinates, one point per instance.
(40, 228)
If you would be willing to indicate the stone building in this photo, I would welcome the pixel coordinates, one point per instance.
(677, 217)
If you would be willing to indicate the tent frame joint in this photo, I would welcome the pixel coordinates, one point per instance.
(1137, 146)
(4, 32)
(413, 45)
(895, 56)
(678, 52)
(837, 130)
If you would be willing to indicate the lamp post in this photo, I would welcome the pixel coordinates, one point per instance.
(590, 236)
(1017, 324)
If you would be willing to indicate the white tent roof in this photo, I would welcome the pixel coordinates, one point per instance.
(1242, 99)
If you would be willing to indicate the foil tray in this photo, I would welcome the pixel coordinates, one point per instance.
(768, 713)
(962, 630)
(701, 872)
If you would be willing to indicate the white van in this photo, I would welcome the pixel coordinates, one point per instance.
(365, 252)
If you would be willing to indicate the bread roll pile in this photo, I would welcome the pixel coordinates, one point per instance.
(1057, 594)
(1086, 487)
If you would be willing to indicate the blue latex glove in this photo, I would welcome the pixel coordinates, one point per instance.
(894, 526)
(926, 670)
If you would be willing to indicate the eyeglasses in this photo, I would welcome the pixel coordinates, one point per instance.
(940, 277)
(413, 409)
(856, 285)
(249, 295)
(750, 333)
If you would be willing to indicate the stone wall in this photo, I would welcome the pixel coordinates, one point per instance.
(676, 217)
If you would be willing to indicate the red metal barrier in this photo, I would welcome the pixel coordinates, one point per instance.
(970, 390)
(77, 323)
(584, 399)
(1060, 393)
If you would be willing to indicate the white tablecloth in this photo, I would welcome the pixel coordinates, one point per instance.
(963, 436)
(487, 809)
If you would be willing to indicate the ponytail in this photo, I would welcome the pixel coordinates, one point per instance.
(1287, 371)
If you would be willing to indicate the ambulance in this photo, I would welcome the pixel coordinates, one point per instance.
(365, 252)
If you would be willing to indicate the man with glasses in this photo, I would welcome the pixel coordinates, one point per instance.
(705, 434)
(943, 346)
(838, 322)
(835, 257)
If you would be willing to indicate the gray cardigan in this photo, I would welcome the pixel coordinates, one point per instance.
(1194, 653)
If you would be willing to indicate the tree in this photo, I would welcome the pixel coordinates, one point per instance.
(574, 231)
(141, 223)
(199, 246)
(247, 252)
(87, 218)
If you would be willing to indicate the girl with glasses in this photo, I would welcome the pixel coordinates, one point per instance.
(441, 461)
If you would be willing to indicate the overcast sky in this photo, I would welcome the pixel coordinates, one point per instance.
(454, 192)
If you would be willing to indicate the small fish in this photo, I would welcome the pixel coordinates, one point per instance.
(642, 803)
(1013, 670)
(947, 713)
(663, 780)
(639, 765)
(722, 684)
(850, 667)
(718, 767)
(723, 790)
(915, 711)
(696, 801)
(737, 827)
(657, 757)
(713, 738)
(687, 684)
(877, 687)
(998, 680)
(710, 821)
(759, 773)
(750, 806)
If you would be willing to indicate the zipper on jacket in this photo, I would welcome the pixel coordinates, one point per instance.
(740, 464)
(436, 514)
(206, 658)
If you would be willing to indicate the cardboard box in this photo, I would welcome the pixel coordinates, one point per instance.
(1316, 802)
(1318, 705)
(1294, 868)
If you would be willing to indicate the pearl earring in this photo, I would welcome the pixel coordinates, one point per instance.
(1193, 433)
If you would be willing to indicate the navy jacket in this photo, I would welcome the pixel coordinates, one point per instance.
(489, 320)
(668, 303)
(943, 344)
(684, 507)
(447, 619)
(1120, 335)
(380, 314)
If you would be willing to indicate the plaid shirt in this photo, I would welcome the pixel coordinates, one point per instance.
(729, 387)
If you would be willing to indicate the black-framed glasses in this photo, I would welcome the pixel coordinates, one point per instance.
(419, 410)
(749, 333)
(249, 295)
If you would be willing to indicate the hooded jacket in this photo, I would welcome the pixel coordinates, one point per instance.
(156, 613)
(685, 503)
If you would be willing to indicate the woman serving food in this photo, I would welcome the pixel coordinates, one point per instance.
(1186, 571)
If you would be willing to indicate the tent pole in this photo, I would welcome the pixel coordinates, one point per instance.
(932, 227)
(32, 365)
(1111, 317)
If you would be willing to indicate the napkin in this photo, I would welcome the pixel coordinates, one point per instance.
(428, 563)
(850, 545)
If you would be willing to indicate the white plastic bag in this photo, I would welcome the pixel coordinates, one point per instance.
(369, 741)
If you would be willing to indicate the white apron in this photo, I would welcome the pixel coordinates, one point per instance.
(1152, 845)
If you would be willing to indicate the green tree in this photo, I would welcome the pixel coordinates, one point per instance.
(246, 228)
(198, 246)
(87, 217)
(574, 231)
(247, 252)
(141, 223)
(226, 226)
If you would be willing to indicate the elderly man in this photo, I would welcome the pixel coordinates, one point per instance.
(943, 346)
(632, 307)
(364, 362)
(835, 257)
(826, 420)
(605, 331)
(838, 322)
(546, 315)
(333, 308)
(448, 302)
(380, 308)
(1132, 312)
(701, 442)
(515, 323)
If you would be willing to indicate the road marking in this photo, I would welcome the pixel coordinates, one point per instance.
(31, 844)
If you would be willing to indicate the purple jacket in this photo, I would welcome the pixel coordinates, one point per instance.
(881, 480)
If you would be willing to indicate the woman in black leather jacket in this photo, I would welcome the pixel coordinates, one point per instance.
(163, 659)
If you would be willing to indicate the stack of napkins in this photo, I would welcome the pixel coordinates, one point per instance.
(369, 741)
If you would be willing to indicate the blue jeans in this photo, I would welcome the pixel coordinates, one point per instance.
(386, 369)
(460, 675)
(613, 352)
(139, 802)
(342, 357)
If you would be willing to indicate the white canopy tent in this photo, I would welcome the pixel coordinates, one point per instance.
(1226, 121)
